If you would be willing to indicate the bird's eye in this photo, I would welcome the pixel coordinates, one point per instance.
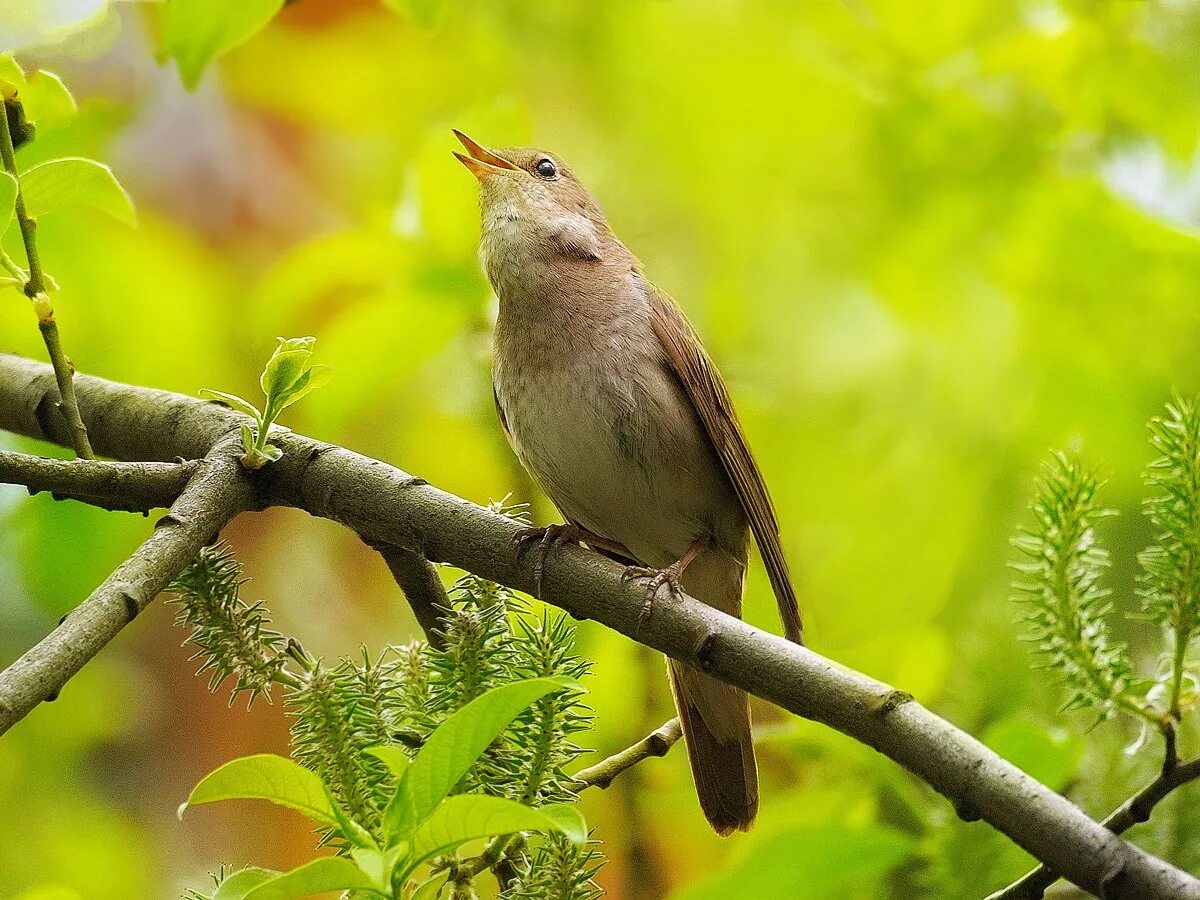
(545, 168)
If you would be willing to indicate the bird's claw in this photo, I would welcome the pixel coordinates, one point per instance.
(547, 539)
(670, 576)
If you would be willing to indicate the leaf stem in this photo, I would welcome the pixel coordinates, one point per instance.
(35, 290)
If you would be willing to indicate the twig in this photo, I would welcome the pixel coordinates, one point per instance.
(217, 492)
(656, 743)
(419, 580)
(1134, 811)
(35, 290)
(123, 486)
(383, 504)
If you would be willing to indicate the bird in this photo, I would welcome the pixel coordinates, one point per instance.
(610, 401)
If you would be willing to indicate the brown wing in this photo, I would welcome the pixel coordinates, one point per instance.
(710, 397)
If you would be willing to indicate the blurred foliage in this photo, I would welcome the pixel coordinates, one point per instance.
(924, 241)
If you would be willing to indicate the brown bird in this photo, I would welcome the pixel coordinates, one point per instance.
(610, 401)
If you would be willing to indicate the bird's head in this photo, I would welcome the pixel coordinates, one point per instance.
(534, 195)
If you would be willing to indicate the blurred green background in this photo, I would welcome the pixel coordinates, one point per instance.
(924, 241)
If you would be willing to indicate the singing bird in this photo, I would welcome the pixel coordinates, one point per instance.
(612, 404)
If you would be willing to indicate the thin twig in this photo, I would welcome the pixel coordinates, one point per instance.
(383, 504)
(217, 492)
(419, 580)
(35, 290)
(1134, 811)
(122, 486)
(656, 743)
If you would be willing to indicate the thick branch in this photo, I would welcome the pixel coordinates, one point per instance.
(656, 743)
(1134, 811)
(122, 486)
(217, 492)
(386, 505)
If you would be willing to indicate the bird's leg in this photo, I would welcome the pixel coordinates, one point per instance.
(671, 576)
(555, 536)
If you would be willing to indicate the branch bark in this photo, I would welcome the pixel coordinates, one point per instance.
(217, 491)
(1134, 811)
(657, 743)
(419, 580)
(385, 505)
(119, 486)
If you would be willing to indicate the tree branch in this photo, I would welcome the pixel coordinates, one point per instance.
(419, 580)
(656, 743)
(1134, 811)
(217, 491)
(383, 504)
(120, 486)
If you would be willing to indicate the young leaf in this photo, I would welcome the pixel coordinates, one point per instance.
(311, 379)
(195, 32)
(350, 829)
(329, 873)
(378, 865)
(570, 821)
(8, 199)
(456, 744)
(231, 400)
(47, 100)
(429, 889)
(282, 372)
(392, 756)
(266, 776)
(75, 181)
(242, 882)
(466, 817)
(247, 438)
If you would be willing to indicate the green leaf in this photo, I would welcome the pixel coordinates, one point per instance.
(247, 438)
(311, 379)
(8, 199)
(47, 100)
(231, 400)
(195, 32)
(11, 74)
(284, 368)
(266, 776)
(835, 861)
(242, 882)
(75, 181)
(428, 890)
(570, 821)
(353, 832)
(453, 748)
(378, 864)
(329, 873)
(467, 817)
(392, 756)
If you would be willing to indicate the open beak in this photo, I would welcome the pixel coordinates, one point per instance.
(482, 161)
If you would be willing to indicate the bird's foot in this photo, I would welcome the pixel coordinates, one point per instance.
(671, 576)
(546, 539)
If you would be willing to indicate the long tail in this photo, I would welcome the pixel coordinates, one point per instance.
(716, 716)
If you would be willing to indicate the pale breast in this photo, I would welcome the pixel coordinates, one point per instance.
(599, 420)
